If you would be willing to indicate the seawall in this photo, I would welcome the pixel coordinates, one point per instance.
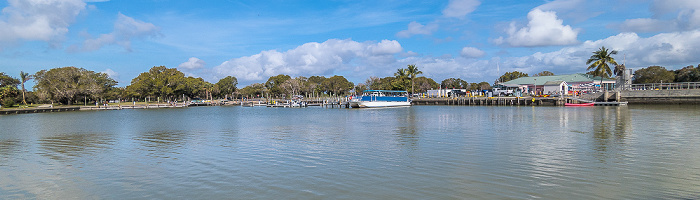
(678, 96)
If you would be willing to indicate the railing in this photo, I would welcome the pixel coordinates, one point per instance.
(664, 86)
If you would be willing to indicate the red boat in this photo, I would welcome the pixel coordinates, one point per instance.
(579, 104)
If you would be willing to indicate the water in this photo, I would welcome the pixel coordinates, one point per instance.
(419, 152)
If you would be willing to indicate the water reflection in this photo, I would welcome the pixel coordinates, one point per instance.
(406, 130)
(70, 146)
(610, 128)
(162, 143)
(7, 148)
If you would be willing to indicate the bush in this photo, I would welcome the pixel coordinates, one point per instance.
(7, 103)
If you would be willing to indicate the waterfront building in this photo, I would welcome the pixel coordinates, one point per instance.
(573, 82)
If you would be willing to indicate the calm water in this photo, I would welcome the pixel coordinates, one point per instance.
(420, 152)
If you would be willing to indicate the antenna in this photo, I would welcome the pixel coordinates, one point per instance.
(498, 71)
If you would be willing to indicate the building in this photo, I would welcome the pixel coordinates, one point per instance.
(572, 82)
(555, 87)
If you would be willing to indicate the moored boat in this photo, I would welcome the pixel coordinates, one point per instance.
(579, 104)
(380, 98)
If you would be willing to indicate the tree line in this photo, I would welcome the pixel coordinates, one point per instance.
(72, 85)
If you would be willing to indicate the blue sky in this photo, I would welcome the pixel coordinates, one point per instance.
(474, 40)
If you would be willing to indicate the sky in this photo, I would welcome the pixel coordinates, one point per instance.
(475, 40)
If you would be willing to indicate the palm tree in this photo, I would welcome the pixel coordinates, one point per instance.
(401, 75)
(412, 71)
(599, 60)
(25, 77)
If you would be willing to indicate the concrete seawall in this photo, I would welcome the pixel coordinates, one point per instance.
(680, 96)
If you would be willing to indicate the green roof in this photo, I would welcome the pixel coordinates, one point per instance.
(540, 80)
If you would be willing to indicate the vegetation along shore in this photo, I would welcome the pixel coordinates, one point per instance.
(68, 86)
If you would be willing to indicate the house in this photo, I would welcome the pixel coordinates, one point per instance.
(556, 87)
(575, 82)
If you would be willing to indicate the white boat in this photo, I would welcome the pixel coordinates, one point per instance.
(380, 98)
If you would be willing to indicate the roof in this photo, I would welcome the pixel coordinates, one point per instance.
(571, 78)
(554, 82)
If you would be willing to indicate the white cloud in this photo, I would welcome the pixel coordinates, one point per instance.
(577, 10)
(192, 64)
(666, 49)
(471, 52)
(111, 73)
(125, 30)
(38, 20)
(543, 29)
(312, 59)
(687, 14)
(415, 28)
(460, 8)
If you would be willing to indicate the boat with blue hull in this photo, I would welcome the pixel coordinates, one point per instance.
(380, 98)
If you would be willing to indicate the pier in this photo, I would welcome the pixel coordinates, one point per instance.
(493, 101)
(38, 110)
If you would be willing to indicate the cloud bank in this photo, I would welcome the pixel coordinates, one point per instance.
(686, 12)
(312, 58)
(38, 20)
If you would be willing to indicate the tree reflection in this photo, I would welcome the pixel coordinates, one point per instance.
(406, 131)
(162, 142)
(611, 126)
(70, 146)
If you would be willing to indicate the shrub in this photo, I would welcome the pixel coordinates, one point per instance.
(7, 103)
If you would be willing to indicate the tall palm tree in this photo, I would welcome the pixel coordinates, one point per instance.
(401, 75)
(412, 71)
(25, 77)
(599, 60)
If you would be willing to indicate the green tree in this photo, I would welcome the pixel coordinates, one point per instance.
(412, 71)
(274, 83)
(385, 83)
(483, 86)
(7, 95)
(8, 89)
(544, 73)
(454, 83)
(424, 84)
(227, 85)
(254, 90)
(401, 81)
(164, 82)
(359, 88)
(313, 84)
(294, 86)
(508, 76)
(6, 80)
(599, 63)
(372, 82)
(337, 85)
(24, 78)
(653, 74)
(688, 74)
(67, 83)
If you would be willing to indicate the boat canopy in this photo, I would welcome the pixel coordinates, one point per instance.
(394, 91)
